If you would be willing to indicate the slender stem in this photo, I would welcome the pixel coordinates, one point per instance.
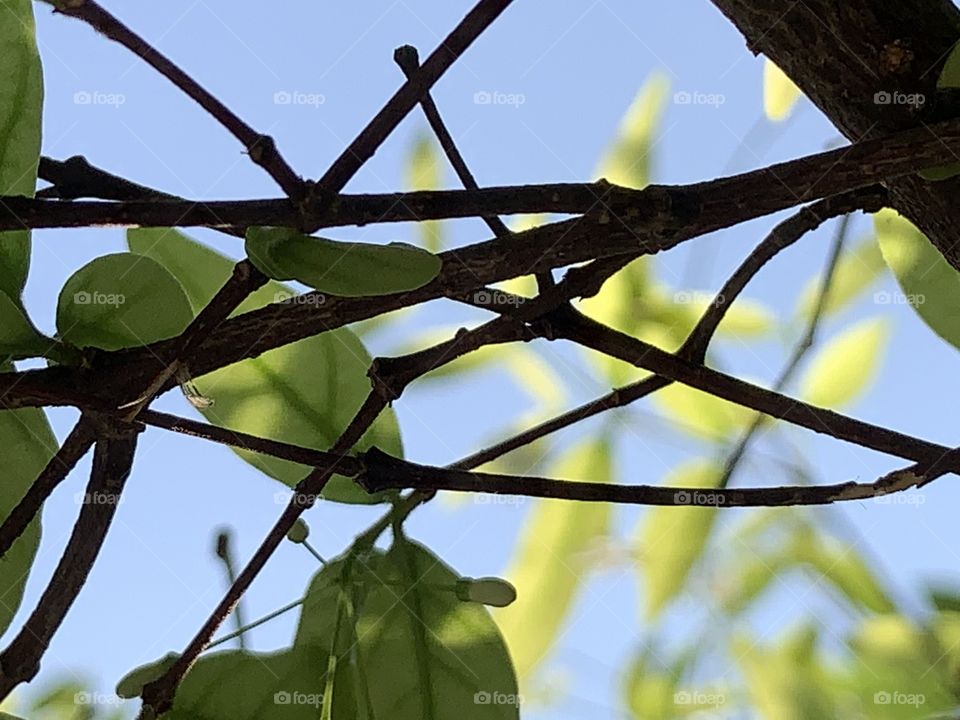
(262, 149)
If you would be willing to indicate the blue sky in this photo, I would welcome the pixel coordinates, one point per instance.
(576, 68)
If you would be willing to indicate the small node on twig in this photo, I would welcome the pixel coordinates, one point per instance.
(407, 57)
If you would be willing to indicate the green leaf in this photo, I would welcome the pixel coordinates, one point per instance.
(856, 270)
(846, 366)
(21, 101)
(340, 268)
(28, 444)
(121, 300)
(551, 558)
(930, 284)
(304, 393)
(671, 539)
(418, 650)
(700, 414)
(786, 682)
(18, 337)
(780, 93)
(748, 580)
(240, 685)
(424, 171)
(839, 564)
(650, 688)
(627, 161)
(949, 78)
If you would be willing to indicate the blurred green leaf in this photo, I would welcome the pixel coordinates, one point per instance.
(304, 393)
(651, 687)
(549, 561)
(670, 540)
(856, 270)
(780, 93)
(119, 301)
(843, 567)
(419, 650)
(749, 579)
(28, 444)
(627, 161)
(930, 284)
(786, 682)
(340, 268)
(21, 101)
(424, 171)
(702, 415)
(846, 365)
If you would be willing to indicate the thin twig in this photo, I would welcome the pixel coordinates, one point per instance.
(74, 447)
(261, 148)
(112, 459)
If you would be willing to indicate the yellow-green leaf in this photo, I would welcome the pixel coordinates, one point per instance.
(424, 171)
(930, 285)
(700, 414)
(846, 365)
(549, 563)
(856, 270)
(627, 161)
(670, 540)
(780, 93)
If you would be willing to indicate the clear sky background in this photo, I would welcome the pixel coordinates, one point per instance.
(577, 67)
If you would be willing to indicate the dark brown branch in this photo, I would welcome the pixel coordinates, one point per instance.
(406, 98)
(657, 211)
(74, 447)
(75, 178)
(386, 472)
(112, 460)
(262, 149)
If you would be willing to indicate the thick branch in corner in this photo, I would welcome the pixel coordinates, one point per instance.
(851, 58)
